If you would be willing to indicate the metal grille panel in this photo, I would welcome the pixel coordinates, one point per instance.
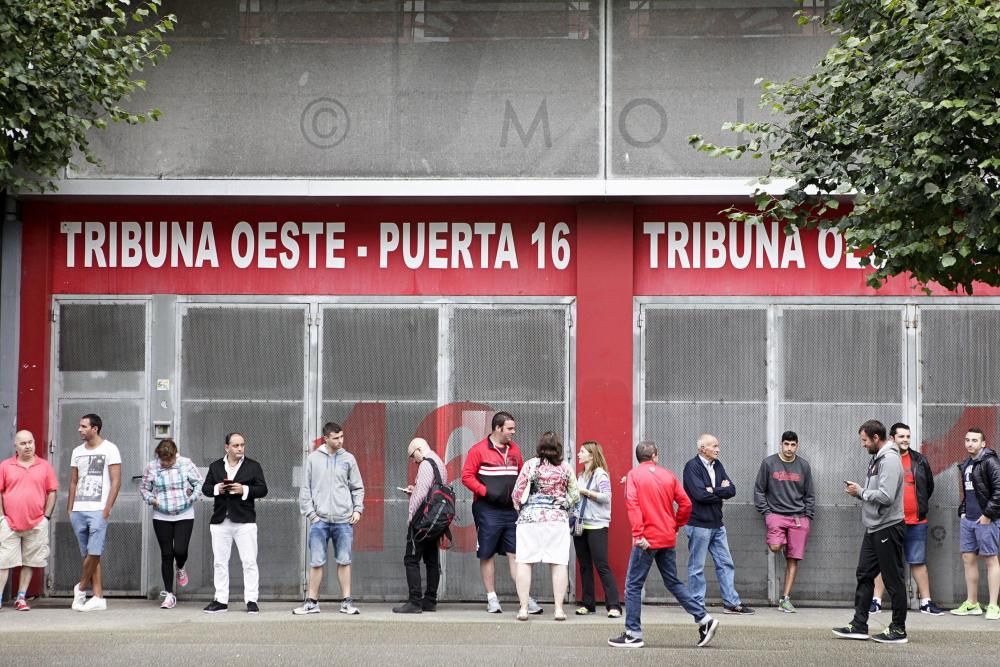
(959, 367)
(102, 337)
(243, 370)
(123, 425)
(273, 433)
(842, 355)
(961, 356)
(495, 345)
(243, 353)
(379, 353)
(683, 344)
(689, 392)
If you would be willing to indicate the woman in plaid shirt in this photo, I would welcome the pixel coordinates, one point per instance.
(170, 485)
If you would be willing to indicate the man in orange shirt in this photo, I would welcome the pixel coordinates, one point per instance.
(918, 485)
(651, 492)
(27, 497)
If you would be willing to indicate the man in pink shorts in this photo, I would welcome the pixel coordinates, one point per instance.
(784, 494)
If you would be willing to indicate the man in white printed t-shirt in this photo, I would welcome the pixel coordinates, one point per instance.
(94, 483)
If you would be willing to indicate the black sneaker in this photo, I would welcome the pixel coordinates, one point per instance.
(215, 607)
(252, 608)
(738, 609)
(875, 608)
(428, 605)
(408, 608)
(707, 631)
(931, 608)
(851, 632)
(625, 640)
(891, 635)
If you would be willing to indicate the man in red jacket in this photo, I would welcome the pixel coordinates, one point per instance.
(490, 470)
(650, 495)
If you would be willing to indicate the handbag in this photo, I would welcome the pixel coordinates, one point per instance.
(527, 487)
(576, 519)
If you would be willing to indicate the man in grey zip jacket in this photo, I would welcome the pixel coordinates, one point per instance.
(882, 547)
(332, 498)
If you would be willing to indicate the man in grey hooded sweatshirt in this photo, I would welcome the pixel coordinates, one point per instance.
(882, 546)
(331, 498)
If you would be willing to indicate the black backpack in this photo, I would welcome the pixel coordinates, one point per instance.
(435, 514)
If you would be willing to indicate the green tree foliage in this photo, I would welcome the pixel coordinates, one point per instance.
(66, 66)
(901, 117)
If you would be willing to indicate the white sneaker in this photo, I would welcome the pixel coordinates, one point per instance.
(493, 606)
(308, 607)
(95, 604)
(347, 607)
(169, 601)
(79, 598)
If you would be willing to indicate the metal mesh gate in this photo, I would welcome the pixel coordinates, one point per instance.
(748, 373)
(960, 388)
(100, 367)
(243, 369)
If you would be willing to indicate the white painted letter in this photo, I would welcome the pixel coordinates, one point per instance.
(715, 245)
(71, 229)
(437, 244)
(677, 240)
(290, 255)
(131, 248)
(653, 230)
(388, 242)
(505, 249)
(333, 244)
(93, 240)
(206, 247)
(242, 229)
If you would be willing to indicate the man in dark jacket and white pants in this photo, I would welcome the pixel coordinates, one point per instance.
(882, 546)
(234, 481)
(707, 485)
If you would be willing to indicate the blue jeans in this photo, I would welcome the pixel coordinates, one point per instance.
(91, 528)
(321, 532)
(702, 541)
(639, 563)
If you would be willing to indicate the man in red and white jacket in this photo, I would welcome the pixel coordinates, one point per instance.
(490, 471)
(651, 494)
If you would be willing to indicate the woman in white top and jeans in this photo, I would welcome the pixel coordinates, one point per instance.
(592, 544)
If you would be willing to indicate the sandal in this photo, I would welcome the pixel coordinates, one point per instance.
(522, 615)
(559, 616)
(583, 611)
(614, 613)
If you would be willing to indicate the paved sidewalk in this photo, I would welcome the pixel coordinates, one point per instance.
(54, 615)
(132, 631)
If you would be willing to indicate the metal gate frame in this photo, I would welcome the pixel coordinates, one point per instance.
(911, 354)
(56, 454)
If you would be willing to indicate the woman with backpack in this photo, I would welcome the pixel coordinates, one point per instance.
(543, 494)
(590, 537)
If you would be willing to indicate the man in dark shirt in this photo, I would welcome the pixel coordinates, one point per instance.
(784, 494)
(979, 534)
(707, 485)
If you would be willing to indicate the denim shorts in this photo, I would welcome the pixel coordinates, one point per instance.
(975, 538)
(915, 544)
(90, 529)
(321, 532)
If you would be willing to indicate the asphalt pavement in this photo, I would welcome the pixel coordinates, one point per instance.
(137, 632)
